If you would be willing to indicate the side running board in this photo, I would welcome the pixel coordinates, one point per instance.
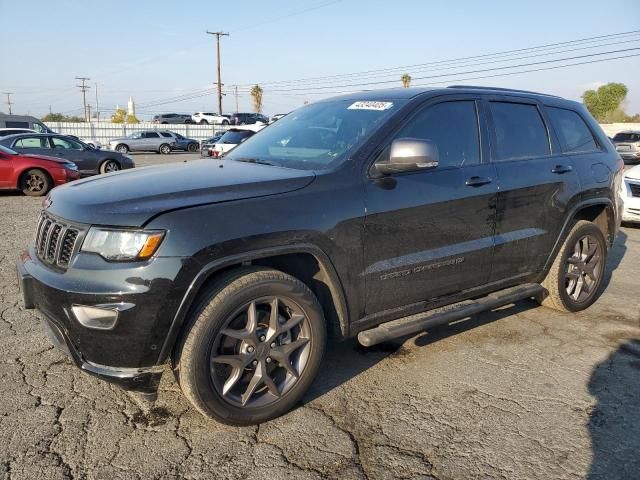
(422, 321)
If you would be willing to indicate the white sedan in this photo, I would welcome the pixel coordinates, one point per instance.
(204, 118)
(233, 137)
(631, 195)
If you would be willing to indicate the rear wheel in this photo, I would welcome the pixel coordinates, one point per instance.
(225, 122)
(192, 147)
(35, 182)
(164, 149)
(122, 148)
(254, 347)
(577, 272)
(204, 122)
(109, 166)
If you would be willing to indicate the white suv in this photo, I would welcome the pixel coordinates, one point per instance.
(204, 118)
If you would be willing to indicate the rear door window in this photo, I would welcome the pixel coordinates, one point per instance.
(150, 135)
(166, 135)
(32, 142)
(520, 131)
(575, 136)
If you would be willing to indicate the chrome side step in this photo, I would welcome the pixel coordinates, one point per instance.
(441, 316)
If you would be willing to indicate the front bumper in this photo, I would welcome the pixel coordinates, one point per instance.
(127, 355)
(631, 203)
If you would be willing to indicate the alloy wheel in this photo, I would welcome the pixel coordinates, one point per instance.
(35, 182)
(261, 352)
(111, 166)
(584, 269)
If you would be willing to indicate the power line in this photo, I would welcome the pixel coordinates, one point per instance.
(218, 35)
(83, 88)
(8, 102)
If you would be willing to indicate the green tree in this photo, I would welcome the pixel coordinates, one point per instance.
(59, 117)
(121, 116)
(256, 94)
(605, 101)
(406, 80)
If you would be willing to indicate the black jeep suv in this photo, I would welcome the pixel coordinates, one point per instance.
(375, 215)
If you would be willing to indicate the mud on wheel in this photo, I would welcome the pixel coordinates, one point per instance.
(253, 348)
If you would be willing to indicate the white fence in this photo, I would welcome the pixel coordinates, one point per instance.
(103, 131)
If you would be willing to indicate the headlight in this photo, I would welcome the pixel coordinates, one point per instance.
(122, 245)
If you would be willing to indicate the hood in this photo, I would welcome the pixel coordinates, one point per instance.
(132, 197)
(633, 172)
(46, 157)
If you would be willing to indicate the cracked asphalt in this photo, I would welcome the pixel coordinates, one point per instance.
(519, 393)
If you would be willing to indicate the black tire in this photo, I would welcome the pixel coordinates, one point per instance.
(204, 122)
(192, 147)
(200, 375)
(225, 122)
(35, 182)
(164, 149)
(109, 166)
(122, 148)
(164, 123)
(575, 278)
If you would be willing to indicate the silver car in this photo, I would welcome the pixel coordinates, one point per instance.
(628, 145)
(146, 141)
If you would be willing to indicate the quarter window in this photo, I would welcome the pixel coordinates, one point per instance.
(150, 135)
(574, 134)
(166, 134)
(64, 144)
(453, 127)
(520, 131)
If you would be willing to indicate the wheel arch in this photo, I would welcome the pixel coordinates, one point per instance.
(306, 262)
(600, 211)
(21, 174)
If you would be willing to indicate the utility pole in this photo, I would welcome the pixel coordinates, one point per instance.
(218, 35)
(8, 94)
(84, 89)
(97, 104)
(236, 90)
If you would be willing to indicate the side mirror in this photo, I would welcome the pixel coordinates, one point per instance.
(409, 155)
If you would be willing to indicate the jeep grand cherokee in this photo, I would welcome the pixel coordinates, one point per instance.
(361, 215)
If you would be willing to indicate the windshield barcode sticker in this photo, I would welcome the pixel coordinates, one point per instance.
(362, 105)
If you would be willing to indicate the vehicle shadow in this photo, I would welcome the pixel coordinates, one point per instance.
(616, 254)
(346, 360)
(614, 422)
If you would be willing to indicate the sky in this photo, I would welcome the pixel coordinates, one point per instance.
(155, 51)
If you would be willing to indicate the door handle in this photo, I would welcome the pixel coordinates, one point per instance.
(477, 181)
(561, 169)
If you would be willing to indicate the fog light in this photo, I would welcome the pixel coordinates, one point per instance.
(99, 317)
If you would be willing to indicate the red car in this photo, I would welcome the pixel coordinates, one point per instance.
(35, 175)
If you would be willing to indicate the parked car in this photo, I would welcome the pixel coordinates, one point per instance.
(12, 131)
(23, 121)
(182, 143)
(145, 141)
(631, 195)
(247, 119)
(34, 175)
(230, 139)
(206, 146)
(204, 118)
(177, 118)
(277, 117)
(345, 218)
(628, 145)
(90, 161)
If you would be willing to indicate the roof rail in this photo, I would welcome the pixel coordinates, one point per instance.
(513, 90)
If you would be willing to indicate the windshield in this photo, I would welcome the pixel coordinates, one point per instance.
(627, 137)
(235, 137)
(316, 136)
(4, 149)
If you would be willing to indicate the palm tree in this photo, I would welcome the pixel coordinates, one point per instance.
(406, 80)
(256, 93)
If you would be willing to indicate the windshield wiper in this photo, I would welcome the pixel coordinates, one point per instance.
(254, 160)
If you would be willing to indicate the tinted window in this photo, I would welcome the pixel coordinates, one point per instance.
(520, 131)
(151, 135)
(31, 142)
(9, 124)
(65, 143)
(165, 134)
(574, 134)
(235, 137)
(453, 127)
(627, 137)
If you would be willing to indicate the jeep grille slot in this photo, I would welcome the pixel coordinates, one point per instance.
(55, 241)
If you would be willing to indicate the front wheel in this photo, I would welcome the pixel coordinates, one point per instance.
(122, 148)
(109, 166)
(35, 183)
(204, 122)
(253, 348)
(576, 274)
(225, 122)
(164, 149)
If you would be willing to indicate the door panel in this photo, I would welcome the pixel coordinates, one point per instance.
(6, 172)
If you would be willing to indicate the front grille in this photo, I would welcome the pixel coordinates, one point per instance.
(635, 189)
(56, 241)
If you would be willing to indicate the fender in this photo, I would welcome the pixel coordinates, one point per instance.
(567, 225)
(335, 286)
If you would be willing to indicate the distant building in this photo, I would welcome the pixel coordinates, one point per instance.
(131, 107)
